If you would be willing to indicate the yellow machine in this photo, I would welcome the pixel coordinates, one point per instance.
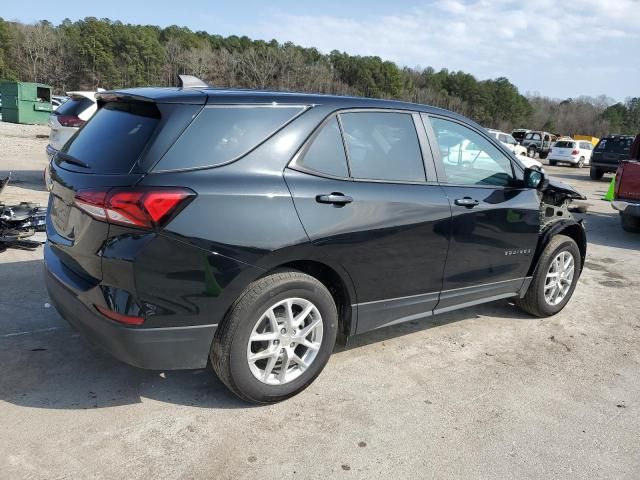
(588, 138)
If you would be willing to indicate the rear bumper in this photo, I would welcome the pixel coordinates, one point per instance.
(606, 167)
(627, 207)
(170, 348)
(565, 159)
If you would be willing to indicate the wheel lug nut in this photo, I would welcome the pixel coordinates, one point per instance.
(292, 345)
(276, 342)
(283, 331)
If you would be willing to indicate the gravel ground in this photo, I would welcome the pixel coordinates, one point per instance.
(485, 392)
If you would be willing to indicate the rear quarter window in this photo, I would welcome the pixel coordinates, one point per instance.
(220, 135)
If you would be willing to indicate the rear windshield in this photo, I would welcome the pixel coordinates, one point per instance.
(222, 134)
(565, 144)
(113, 139)
(74, 106)
(615, 145)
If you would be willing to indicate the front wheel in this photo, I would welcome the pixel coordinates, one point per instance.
(277, 337)
(555, 278)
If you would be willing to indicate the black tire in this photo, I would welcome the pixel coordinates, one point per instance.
(229, 348)
(580, 163)
(534, 301)
(543, 155)
(552, 163)
(629, 223)
(596, 173)
(531, 152)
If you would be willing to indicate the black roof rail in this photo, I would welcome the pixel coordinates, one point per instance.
(189, 81)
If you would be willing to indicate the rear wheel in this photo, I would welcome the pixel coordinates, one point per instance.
(630, 223)
(531, 152)
(555, 278)
(543, 155)
(596, 173)
(277, 337)
(580, 163)
(552, 163)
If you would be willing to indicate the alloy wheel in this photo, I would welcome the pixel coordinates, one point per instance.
(559, 278)
(285, 341)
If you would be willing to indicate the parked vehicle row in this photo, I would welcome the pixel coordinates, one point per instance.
(513, 146)
(255, 228)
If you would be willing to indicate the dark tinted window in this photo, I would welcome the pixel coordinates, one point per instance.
(383, 146)
(74, 106)
(533, 136)
(468, 157)
(221, 134)
(615, 144)
(114, 138)
(326, 153)
(565, 144)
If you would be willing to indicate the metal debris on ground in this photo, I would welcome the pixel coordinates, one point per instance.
(20, 223)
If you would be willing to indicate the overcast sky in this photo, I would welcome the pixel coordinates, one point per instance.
(555, 48)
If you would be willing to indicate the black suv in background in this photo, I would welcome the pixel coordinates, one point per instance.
(256, 228)
(608, 154)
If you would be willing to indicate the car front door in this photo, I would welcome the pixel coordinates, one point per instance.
(495, 218)
(363, 196)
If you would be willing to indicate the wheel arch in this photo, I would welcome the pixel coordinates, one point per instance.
(572, 229)
(339, 285)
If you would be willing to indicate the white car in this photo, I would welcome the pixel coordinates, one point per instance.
(69, 117)
(57, 100)
(515, 148)
(575, 152)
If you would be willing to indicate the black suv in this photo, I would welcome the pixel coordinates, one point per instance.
(608, 154)
(257, 228)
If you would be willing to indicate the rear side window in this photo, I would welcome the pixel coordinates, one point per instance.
(113, 139)
(326, 153)
(383, 146)
(74, 106)
(221, 134)
(533, 136)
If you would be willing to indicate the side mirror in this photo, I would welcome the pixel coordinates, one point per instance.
(534, 178)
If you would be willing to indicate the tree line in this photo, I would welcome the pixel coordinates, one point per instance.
(91, 53)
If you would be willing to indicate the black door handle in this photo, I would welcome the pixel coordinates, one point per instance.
(466, 202)
(335, 198)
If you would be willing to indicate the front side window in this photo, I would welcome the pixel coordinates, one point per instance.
(468, 157)
(221, 134)
(383, 146)
(326, 153)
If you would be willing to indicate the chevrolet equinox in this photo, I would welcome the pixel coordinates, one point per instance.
(256, 229)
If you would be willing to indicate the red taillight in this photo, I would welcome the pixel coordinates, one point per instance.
(118, 317)
(70, 121)
(618, 182)
(575, 152)
(143, 208)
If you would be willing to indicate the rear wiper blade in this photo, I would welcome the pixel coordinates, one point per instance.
(73, 160)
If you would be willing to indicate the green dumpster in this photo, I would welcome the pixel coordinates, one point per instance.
(25, 102)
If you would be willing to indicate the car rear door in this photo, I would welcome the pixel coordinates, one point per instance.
(360, 189)
(495, 221)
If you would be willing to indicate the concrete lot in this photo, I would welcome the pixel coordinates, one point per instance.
(486, 392)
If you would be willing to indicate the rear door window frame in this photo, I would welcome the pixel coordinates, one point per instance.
(426, 154)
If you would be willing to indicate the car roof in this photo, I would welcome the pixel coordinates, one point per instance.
(86, 94)
(223, 96)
